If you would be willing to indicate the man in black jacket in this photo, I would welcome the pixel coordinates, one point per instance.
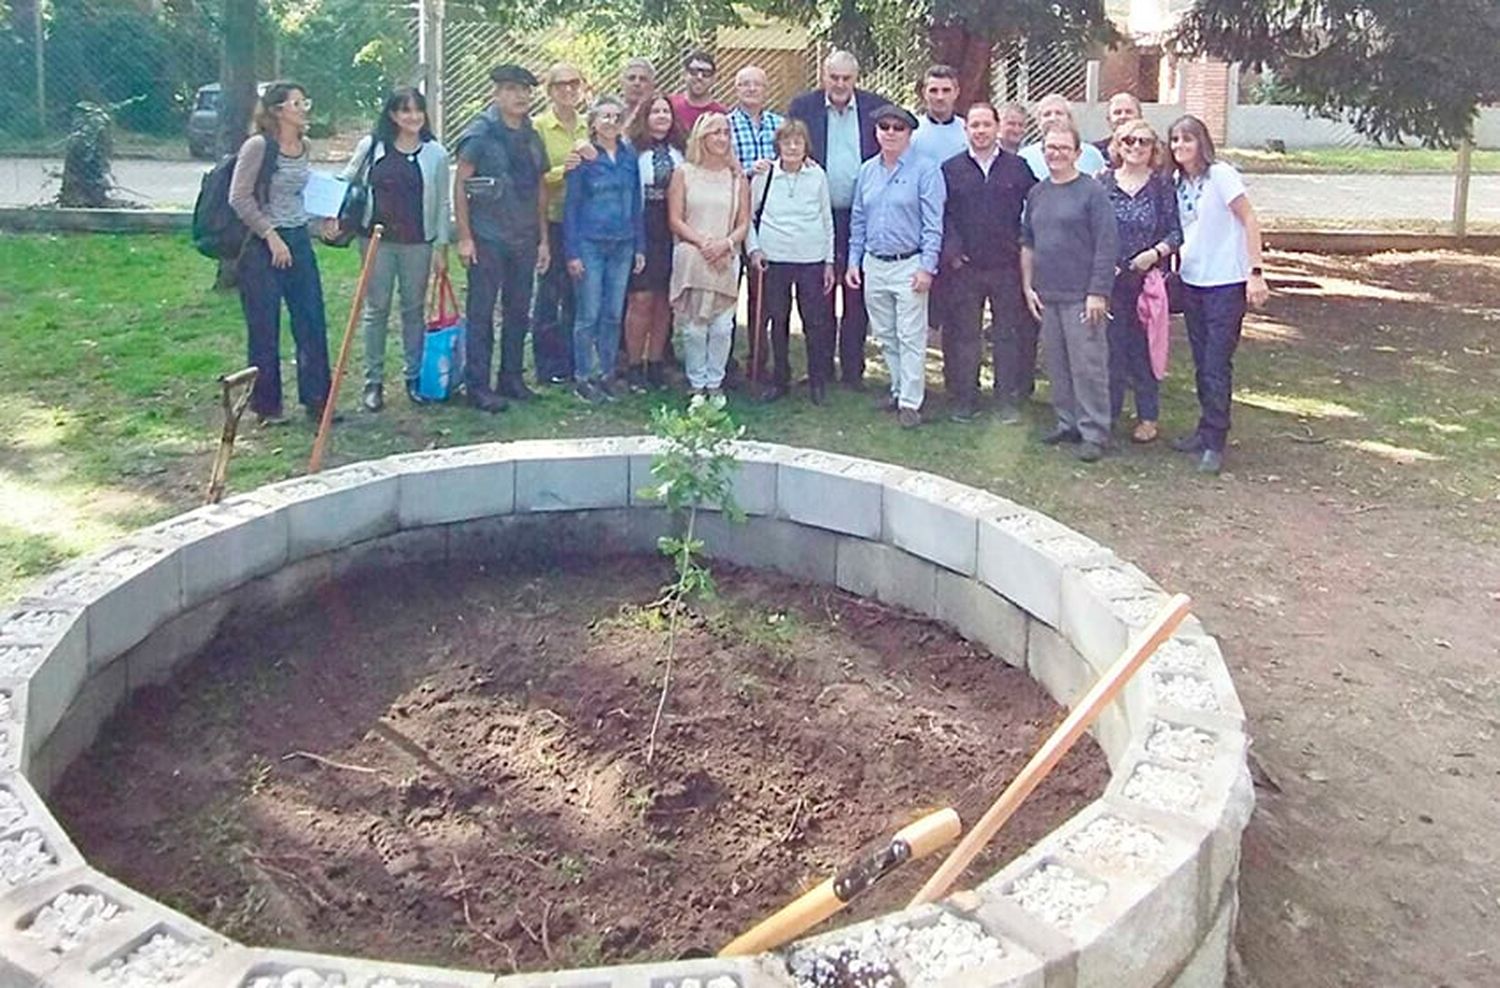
(981, 259)
(839, 118)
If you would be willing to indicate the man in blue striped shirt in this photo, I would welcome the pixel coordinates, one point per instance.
(752, 127)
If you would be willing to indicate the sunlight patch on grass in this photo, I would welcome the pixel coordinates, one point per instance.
(1430, 423)
(1301, 406)
(1271, 330)
(31, 426)
(1396, 454)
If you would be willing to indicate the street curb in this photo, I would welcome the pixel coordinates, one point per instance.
(44, 219)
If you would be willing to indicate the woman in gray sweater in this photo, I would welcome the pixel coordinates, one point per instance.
(277, 263)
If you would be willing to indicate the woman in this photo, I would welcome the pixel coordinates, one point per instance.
(791, 240)
(1145, 204)
(1221, 271)
(604, 241)
(277, 263)
(405, 169)
(708, 210)
(657, 137)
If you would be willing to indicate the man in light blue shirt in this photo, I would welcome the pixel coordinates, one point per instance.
(895, 236)
(940, 129)
(1055, 108)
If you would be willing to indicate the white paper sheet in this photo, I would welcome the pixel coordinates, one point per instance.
(323, 195)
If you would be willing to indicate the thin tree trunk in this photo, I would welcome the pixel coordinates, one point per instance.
(236, 91)
(967, 52)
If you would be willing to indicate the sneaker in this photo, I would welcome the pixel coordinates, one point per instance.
(1009, 413)
(270, 420)
(1145, 432)
(1061, 435)
(315, 413)
(886, 403)
(374, 398)
(963, 411)
(487, 401)
(713, 392)
(604, 389)
(588, 392)
(773, 393)
(511, 386)
(1191, 443)
(1211, 462)
(414, 396)
(909, 418)
(635, 379)
(1090, 452)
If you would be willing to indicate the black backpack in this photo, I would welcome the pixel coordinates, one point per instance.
(218, 231)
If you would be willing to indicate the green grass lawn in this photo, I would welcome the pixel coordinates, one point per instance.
(1403, 160)
(109, 409)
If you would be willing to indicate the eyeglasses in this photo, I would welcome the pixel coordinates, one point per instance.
(1058, 149)
(891, 125)
(298, 104)
(699, 72)
(607, 116)
(567, 82)
(1134, 141)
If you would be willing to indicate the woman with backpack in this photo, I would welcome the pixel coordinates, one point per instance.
(404, 169)
(277, 263)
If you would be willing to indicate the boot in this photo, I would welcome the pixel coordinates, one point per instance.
(512, 386)
(635, 378)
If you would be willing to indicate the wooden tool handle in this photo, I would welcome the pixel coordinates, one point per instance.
(246, 376)
(933, 831)
(320, 441)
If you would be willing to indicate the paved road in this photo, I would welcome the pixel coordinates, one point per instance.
(25, 181)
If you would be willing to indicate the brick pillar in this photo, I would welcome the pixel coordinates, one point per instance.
(1205, 94)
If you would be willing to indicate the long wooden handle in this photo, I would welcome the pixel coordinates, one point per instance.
(1055, 747)
(315, 462)
(915, 840)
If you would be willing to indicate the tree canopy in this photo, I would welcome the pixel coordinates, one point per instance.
(1395, 69)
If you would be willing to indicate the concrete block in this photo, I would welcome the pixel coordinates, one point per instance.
(128, 589)
(413, 547)
(1053, 950)
(1054, 663)
(755, 476)
(890, 575)
(1189, 674)
(220, 546)
(1103, 607)
(838, 493)
(284, 588)
(1022, 557)
(770, 543)
(198, 944)
(336, 508)
(175, 641)
(447, 485)
(532, 540)
(982, 616)
(75, 731)
(938, 519)
(102, 915)
(575, 475)
(13, 725)
(44, 643)
(1209, 965)
(32, 845)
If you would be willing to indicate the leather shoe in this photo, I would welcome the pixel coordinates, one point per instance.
(1009, 414)
(374, 398)
(963, 412)
(415, 396)
(1192, 443)
(909, 418)
(511, 386)
(1061, 435)
(488, 401)
(315, 414)
(1090, 452)
(1211, 462)
(817, 391)
(886, 403)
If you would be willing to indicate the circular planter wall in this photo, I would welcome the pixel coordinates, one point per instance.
(1138, 889)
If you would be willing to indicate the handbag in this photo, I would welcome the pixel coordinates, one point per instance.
(356, 203)
(442, 345)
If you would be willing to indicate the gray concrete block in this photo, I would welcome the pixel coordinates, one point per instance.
(178, 639)
(1022, 557)
(755, 476)
(45, 644)
(770, 543)
(33, 841)
(1104, 606)
(83, 971)
(837, 493)
(221, 546)
(1209, 965)
(38, 944)
(889, 575)
(284, 588)
(128, 589)
(531, 540)
(982, 616)
(1189, 673)
(573, 476)
(336, 508)
(13, 753)
(51, 754)
(938, 519)
(413, 547)
(447, 485)
(1054, 663)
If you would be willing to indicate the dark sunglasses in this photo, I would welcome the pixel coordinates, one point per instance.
(891, 125)
(1134, 141)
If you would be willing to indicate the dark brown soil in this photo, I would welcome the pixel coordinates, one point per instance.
(480, 795)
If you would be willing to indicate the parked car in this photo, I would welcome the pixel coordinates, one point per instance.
(203, 120)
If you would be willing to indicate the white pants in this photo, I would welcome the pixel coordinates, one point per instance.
(705, 349)
(898, 321)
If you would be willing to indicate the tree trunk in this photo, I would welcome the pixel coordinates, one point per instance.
(969, 53)
(237, 93)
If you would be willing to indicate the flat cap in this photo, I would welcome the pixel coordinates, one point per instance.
(893, 112)
(511, 72)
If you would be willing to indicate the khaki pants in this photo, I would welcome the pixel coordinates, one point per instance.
(898, 321)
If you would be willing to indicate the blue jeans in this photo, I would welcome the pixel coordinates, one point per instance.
(262, 290)
(1214, 317)
(552, 315)
(505, 273)
(1130, 354)
(600, 300)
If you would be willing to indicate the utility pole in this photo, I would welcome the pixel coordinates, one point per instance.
(1461, 189)
(39, 27)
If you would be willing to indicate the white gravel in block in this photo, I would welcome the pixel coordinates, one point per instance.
(18, 660)
(298, 977)
(722, 981)
(84, 584)
(1164, 788)
(862, 961)
(12, 811)
(1137, 611)
(1114, 583)
(24, 857)
(1070, 548)
(1177, 655)
(1181, 744)
(36, 623)
(70, 919)
(1057, 894)
(162, 960)
(1115, 843)
(948, 947)
(1028, 525)
(1187, 692)
(7, 709)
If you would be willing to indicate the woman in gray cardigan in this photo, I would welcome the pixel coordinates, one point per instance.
(406, 170)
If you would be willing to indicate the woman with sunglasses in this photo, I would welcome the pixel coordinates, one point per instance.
(1145, 205)
(1221, 272)
(278, 263)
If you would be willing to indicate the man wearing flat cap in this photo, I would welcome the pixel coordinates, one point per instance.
(895, 236)
(500, 205)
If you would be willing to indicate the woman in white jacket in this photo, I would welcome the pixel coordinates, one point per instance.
(405, 169)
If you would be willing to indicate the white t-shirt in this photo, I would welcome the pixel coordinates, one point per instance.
(1214, 251)
(940, 141)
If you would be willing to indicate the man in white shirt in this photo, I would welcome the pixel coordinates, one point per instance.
(940, 128)
(1054, 108)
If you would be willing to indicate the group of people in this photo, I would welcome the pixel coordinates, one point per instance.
(601, 230)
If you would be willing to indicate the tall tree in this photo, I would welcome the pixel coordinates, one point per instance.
(1394, 68)
(237, 73)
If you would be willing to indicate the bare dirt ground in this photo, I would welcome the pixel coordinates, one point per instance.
(479, 795)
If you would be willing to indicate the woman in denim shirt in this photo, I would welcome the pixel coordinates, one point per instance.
(1145, 204)
(604, 240)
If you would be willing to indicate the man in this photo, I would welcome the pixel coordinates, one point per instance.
(698, 71)
(1013, 121)
(840, 118)
(940, 129)
(752, 129)
(986, 191)
(1068, 241)
(895, 233)
(1054, 108)
(1122, 108)
(637, 84)
(564, 132)
(501, 214)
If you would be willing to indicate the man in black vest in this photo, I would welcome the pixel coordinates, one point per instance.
(500, 207)
(839, 118)
(981, 259)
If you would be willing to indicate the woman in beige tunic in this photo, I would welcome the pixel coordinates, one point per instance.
(708, 209)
